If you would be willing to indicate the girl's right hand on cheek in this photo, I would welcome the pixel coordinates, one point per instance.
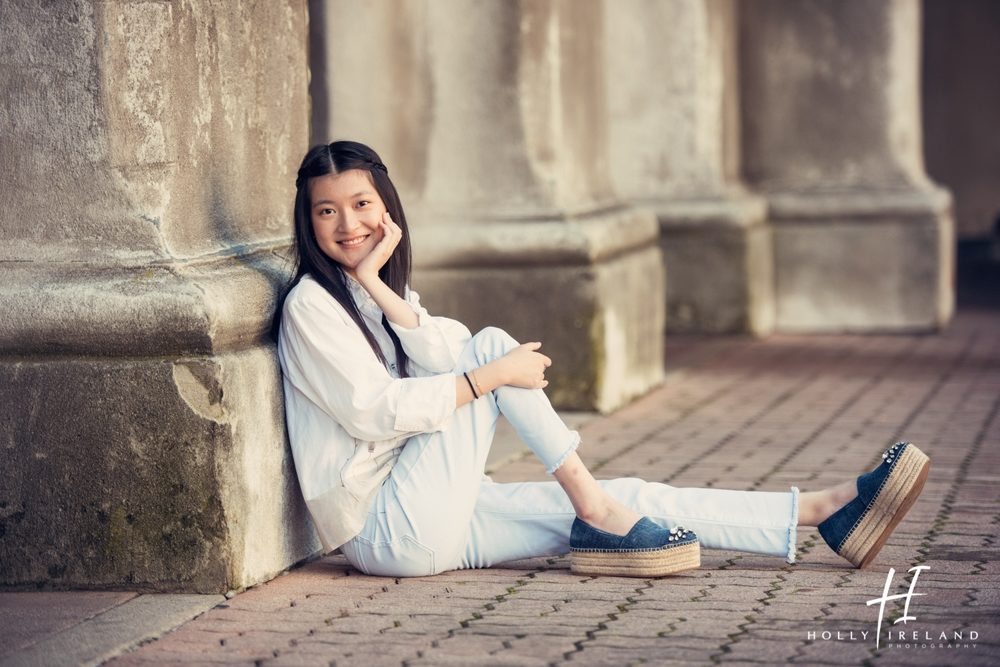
(525, 366)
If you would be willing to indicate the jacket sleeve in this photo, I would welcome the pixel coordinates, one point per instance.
(436, 342)
(328, 359)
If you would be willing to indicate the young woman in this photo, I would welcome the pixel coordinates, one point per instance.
(391, 413)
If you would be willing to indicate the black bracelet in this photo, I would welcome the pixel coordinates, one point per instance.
(470, 385)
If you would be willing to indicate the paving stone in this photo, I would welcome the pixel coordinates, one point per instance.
(512, 630)
(423, 624)
(354, 653)
(595, 596)
(545, 646)
(469, 646)
(598, 654)
(503, 659)
(550, 625)
(181, 658)
(29, 617)
(935, 657)
(112, 633)
(747, 647)
(296, 660)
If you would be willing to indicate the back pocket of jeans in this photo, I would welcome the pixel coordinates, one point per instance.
(404, 557)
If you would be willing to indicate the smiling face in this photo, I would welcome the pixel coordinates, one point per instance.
(346, 211)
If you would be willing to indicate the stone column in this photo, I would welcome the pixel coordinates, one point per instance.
(832, 137)
(961, 107)
(674, 147)
(148, 156)
(492, 119)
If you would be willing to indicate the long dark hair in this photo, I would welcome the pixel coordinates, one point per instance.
(309, 258)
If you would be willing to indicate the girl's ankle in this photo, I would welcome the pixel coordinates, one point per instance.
(611, 517)
(593, 515)
(839, 496)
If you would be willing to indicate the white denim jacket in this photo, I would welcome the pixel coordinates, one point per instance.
(348, 416)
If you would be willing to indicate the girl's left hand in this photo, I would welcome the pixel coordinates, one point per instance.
(369, 266)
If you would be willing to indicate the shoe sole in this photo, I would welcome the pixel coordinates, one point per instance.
(900, 490)
(651, 563)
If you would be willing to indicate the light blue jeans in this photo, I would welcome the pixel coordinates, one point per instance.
(437, 510)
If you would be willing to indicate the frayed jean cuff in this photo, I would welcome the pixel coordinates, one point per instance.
(793, 526)
(573, 444)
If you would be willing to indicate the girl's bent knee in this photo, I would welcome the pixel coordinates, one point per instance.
(495, 334)
(492, 342)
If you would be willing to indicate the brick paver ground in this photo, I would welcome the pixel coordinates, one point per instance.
(735, 413)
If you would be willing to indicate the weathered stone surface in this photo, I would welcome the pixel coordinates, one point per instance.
(161, 474)
(826, 104)
(832, 137)
(142, 428)
(670, 85)
(503, 115)
(674, 146)
(176, 307)
(163, 136)
(720, 259)
(884, 268)
(960, 109)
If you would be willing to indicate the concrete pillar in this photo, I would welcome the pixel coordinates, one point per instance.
(961, 106)
(494, 129)
(148, 158)
(672, 93)
(832, 137)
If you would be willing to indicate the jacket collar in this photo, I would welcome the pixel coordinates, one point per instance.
(366, 304)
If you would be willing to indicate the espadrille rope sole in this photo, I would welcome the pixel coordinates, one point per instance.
(895, 498)
(658, 562)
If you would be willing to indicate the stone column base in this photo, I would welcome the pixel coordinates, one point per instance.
(590, 288)
(144, 429)
(863, 261)
(718, 253)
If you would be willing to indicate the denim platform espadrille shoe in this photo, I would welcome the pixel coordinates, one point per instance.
(648, 550)
(858, 530)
